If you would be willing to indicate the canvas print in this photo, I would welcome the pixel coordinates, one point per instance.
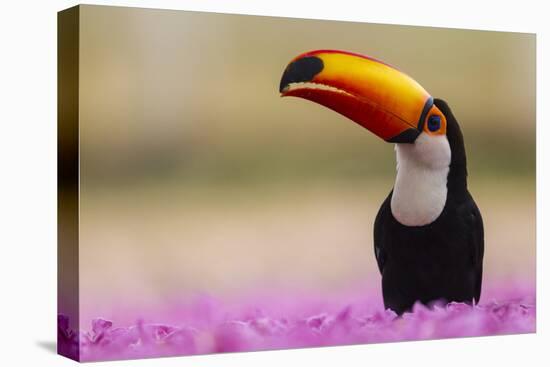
(203, 210)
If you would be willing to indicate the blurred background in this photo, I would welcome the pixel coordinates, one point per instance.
(197, 177)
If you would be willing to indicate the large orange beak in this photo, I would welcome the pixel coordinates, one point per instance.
(375, 95)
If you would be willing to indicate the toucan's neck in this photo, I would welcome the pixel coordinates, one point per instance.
(420, 189)
(457, 180)
(420, 192)
(430, 173)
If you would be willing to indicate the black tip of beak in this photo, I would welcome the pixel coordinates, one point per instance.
(301, 70)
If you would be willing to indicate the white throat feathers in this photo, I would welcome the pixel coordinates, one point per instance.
(420, 189)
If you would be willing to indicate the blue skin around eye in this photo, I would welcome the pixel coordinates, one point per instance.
(434, 123)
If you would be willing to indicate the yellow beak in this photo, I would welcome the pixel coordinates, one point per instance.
(375, 95)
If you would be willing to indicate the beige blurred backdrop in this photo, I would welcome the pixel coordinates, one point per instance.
(196, 176)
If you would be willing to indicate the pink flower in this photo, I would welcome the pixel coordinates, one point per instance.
(274, 322)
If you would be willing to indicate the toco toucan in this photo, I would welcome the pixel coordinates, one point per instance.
(428, 234)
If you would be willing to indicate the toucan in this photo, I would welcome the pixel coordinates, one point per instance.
(428, 233)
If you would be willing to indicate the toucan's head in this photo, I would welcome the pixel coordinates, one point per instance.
(375, 95)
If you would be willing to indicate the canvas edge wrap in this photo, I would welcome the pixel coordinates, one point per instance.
(68, 24)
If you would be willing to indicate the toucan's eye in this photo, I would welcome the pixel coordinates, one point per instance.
(434, 123)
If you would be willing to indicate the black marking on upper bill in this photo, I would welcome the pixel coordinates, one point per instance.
(407, 136)
(301, 70)
(429, 103)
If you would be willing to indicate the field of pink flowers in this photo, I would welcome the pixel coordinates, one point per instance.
(208, 325)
